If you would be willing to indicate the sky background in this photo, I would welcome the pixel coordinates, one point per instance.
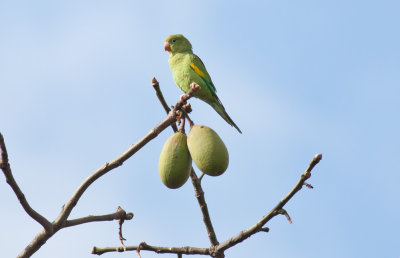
(298, 78)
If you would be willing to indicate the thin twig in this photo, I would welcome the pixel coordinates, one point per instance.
(98, 218)
(6, 168)
(161, 98)
(120, 222)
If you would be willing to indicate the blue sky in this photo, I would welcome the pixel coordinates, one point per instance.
(299, 78)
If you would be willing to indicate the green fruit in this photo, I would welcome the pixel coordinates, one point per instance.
(175, 162)
(208, 151)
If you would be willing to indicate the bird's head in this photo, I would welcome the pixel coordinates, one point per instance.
(177, 44)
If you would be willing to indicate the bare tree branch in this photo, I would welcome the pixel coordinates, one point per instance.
(199, 193)
(6, 168)
(158, 249)
(218, 250)
(37, 242)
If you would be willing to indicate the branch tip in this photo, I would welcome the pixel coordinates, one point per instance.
(129, 216)
(194, 86)
(317, 158)
(154, 82)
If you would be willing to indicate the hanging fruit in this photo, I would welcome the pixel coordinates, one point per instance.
(175, 162)
(207, 150)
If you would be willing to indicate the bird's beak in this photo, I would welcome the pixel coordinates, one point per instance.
(167, 47)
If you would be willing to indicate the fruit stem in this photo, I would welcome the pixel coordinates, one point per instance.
(188, 118)
(182, 127)
(201, 176)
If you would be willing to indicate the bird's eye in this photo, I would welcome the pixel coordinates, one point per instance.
(173, 40)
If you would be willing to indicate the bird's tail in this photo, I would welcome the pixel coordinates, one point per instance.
(221, 111)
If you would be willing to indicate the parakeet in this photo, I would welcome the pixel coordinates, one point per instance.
(187, 68)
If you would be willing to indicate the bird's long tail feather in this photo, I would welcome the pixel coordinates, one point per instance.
(221, 111)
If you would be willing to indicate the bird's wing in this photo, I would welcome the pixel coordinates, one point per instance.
(198, 67)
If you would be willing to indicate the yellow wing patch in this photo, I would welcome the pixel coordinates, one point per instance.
(197, 70)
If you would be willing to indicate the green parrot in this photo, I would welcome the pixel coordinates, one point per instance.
(187, 68)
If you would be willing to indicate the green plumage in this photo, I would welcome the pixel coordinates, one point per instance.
(187, 68)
